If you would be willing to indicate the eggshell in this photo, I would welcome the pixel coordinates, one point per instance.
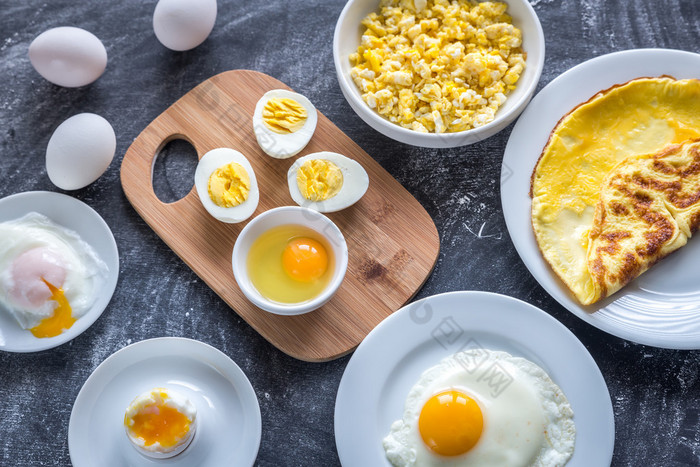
(183, 24)
(68, 56)
(79, 151)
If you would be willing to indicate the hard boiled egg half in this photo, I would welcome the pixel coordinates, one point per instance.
(284, 122)
(326, 181)
(226, 185)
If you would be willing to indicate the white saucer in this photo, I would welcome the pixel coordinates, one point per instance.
(662, 306)
(229, 425)
(392, 357)
(81, 218)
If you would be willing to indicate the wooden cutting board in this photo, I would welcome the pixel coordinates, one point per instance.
(392, 241)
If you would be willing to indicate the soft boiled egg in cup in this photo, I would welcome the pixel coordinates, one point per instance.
(284, 123)
(326, 181)
(226, 185)
(290, 260)
(160, 423)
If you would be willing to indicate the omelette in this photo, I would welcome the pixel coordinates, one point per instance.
(649, 206)
(635, 119)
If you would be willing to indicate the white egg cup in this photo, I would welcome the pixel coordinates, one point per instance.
(283, 216)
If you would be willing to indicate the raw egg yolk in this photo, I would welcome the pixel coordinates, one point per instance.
(61, 319)
(159, 423)
(319, 179)
(450, 423)
(229, 185)
(283, 115)
(304, 259)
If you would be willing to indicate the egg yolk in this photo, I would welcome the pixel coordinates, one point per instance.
(61, 319)
(159, 423)
(450, 423)
(283, 115)
(319, 179)
(304, 259)
(229, 185)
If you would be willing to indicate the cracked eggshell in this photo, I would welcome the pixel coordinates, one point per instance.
(80, 151)
(68, 56)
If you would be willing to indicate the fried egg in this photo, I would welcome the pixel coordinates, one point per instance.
(483, 407)
(326, 181)
(639, 117)
(160, 423)
(283, 123)
(226, 185)
(49, 276)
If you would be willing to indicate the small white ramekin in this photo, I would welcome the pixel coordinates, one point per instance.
(348, 33)
(282, 216)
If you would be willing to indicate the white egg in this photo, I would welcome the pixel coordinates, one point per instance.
(79, 151)
(318, 182)
(526, 419)
(287, 144)
(34, 249)
(208, 164)
(68, 56)
(183, 24)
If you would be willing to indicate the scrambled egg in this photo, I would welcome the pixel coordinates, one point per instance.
(284, 115)
(229, 185)
(438, 65)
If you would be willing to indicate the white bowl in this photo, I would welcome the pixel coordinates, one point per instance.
(348, 32)
(282, 216)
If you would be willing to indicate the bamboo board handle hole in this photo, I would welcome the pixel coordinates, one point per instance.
(172, 171)
(394, 242)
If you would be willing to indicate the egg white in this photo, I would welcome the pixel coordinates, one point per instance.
(85, 271)
(207, 165)
(527, 422)
(355, 183)
(283, 146)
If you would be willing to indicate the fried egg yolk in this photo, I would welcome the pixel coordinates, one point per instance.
(284, 115)
(304, 259)
(319, 179)
(450, 423)
(229, 185)
(159, 423)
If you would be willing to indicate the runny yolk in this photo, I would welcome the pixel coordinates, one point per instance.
(160, 423)
(61, 319)
(450, 423)
(304, 259)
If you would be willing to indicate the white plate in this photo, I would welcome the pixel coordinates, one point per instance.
(392, 357)
(229, 425)
(81, 218)
(662, 307)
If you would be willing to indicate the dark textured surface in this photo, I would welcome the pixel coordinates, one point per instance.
(655, 392)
